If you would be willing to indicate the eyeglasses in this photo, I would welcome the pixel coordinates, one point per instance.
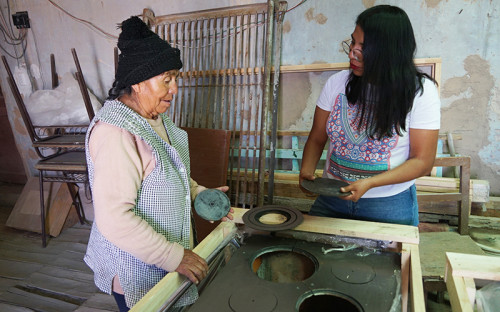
(357, 53)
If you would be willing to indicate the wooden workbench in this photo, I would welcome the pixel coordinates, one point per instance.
(404, 240)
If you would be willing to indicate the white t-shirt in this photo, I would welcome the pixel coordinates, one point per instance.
(352, 155)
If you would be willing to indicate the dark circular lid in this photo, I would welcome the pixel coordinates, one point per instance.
(212, 204)
(325, 186)
(281, 218)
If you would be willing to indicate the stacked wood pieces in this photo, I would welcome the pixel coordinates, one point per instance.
(287, 185)
(26, 212)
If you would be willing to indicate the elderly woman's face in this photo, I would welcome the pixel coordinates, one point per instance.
(158, 92)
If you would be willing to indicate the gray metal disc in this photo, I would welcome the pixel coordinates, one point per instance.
(325, 186)
(353, 271)
(212, 204)
(292, 218)
(252, 299)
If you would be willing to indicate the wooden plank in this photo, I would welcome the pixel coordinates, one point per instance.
(417, 289)
(26, 212)
(474, 266)
(461, 270)
(155, 298)
(99, 302)
(65, 285)
(36, 302)
(351, 228)
(59, 211)
(457, 291)
(405, 276)
(16, 270)
(5, 307)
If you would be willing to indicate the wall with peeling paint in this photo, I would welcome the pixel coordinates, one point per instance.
(464, 33)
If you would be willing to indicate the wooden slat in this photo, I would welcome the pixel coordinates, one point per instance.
(211, 13)
(417, 299)
(351, 228)
(474, 266)
(26, 212)
(457, 291)
(155, 298)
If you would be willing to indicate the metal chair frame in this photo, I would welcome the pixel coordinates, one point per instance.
(67, 160)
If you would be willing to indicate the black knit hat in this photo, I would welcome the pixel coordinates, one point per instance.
(143, 54)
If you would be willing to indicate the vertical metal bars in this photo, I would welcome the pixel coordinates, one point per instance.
(225, 83)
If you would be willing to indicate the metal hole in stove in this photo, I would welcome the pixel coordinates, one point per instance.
(284, 264)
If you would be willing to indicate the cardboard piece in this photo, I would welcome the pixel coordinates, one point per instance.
(26, 213)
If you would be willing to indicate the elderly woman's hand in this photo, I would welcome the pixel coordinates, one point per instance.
(193, 266)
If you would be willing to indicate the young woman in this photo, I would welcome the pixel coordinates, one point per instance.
(381, 119)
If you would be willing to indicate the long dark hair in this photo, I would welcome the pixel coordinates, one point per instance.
(390, 80)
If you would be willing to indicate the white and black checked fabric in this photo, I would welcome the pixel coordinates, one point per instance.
(163, 201)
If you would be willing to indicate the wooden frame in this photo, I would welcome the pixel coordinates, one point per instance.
(463, 196)
(433, 63)
(461, 270)
(404, 240)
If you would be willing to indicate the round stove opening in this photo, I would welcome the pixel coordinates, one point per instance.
(284, 265)
(327, 300)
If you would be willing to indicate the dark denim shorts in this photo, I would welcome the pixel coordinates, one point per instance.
(401, 208)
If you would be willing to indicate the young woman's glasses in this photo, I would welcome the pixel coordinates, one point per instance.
(357, 53)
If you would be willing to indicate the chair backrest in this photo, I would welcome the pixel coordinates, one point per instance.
(45, 137)
(209, 153)
(83, 86)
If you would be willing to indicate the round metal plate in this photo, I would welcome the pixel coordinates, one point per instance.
(290, 218)
(251, 299)
(212, 204)
(325, 186)
(353, 272)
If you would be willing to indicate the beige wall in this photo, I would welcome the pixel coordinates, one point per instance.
(463, 33)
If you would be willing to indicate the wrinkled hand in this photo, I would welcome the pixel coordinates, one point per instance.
(192, 266)
(357, 188)
(229, 216)
(303, 176)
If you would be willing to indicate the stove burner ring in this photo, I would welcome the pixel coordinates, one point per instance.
(252, 218)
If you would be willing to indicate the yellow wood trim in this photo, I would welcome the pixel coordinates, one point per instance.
(155, 298)
(474, 266)
(457, 292)
(470, 286)
(405, 276)
(416, 281)
(461, 270)
(351, 228)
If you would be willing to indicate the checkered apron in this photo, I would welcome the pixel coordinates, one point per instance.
(163, 200)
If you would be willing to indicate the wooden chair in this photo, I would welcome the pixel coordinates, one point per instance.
(63, 156)
(462, 197)
(209, 153)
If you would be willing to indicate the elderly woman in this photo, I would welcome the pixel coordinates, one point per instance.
(138, 163)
